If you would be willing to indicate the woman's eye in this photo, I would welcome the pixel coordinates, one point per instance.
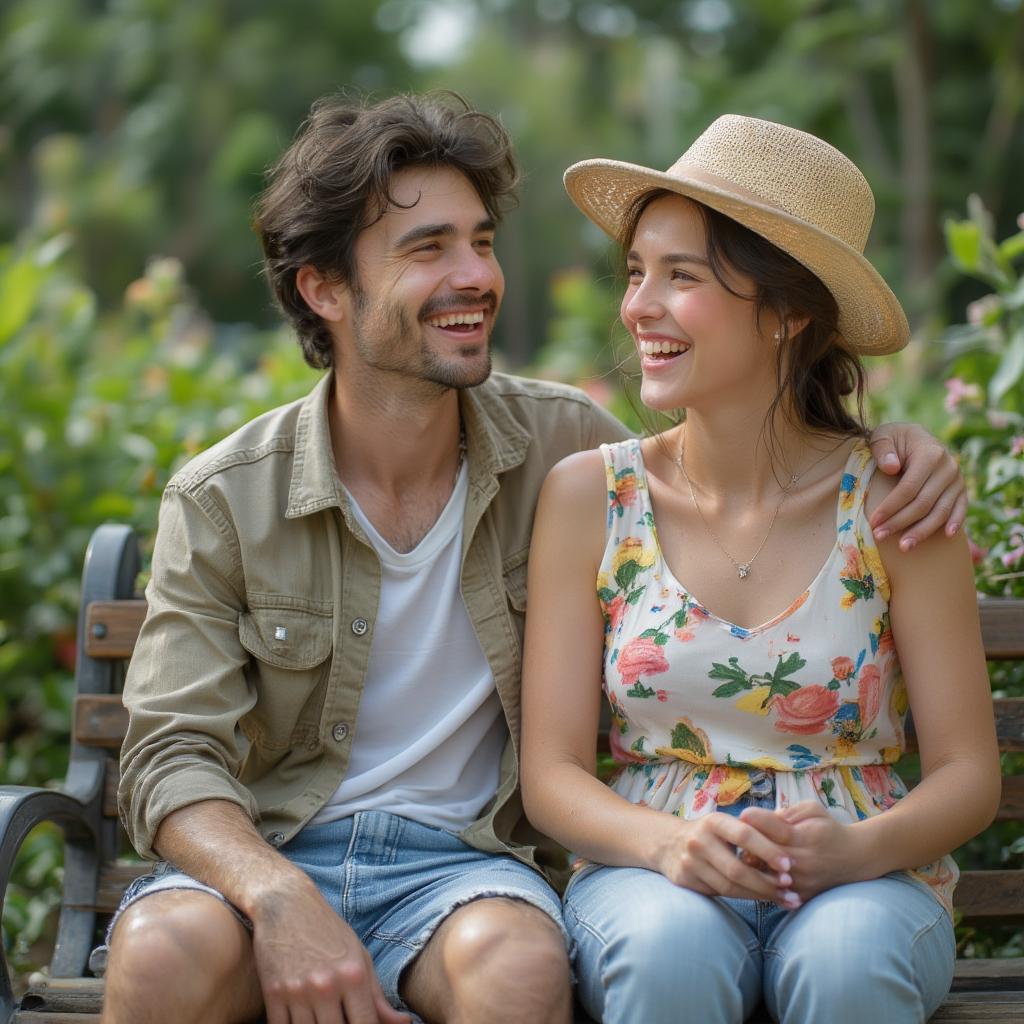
(682, 275)
(634, 273)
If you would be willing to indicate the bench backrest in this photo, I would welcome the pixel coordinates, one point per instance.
(109, 622)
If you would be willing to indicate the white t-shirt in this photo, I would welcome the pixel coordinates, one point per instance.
(430, 731)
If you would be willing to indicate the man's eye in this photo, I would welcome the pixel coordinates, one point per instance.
(429, 247)
(485, 243)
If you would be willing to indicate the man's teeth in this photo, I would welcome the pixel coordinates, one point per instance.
(456, 318)
(656, 348)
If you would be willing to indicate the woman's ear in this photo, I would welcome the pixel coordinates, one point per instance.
(324, 296)
(795, 324)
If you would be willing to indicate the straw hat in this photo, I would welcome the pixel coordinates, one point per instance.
(792, 188)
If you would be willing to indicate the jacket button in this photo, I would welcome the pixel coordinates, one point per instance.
(275, 838)
(340, 731)
(360, 626)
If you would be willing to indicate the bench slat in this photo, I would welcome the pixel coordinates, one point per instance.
(113, 880)
(112, 627)
(1002, 628)
(991, 897)
(100, 720)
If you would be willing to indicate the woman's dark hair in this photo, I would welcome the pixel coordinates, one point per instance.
(815, 372)
(334, 181)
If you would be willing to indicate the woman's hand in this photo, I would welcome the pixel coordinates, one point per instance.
(720, 855)
(823, 852)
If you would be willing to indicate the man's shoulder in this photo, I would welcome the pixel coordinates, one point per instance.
(546, 408)
(269, 434)
(510, 388)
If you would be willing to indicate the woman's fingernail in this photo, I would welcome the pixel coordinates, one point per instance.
(951, 529)
(791, 899)
(785, 880)
(785, 863)
(880, 534)
(890, 460)
(908, 543)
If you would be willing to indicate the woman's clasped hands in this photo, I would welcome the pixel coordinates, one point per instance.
(785, 856)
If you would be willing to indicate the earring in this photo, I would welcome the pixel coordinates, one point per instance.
(777, 336)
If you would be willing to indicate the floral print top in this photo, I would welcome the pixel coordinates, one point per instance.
(700, 705)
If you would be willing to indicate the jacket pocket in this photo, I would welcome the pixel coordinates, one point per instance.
(513, 571)
(290, 651)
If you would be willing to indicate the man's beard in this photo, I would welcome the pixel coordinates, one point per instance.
(382, 332)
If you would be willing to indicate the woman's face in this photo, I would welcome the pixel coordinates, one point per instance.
(698, 343)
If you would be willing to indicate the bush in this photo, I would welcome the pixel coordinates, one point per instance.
(97, 415)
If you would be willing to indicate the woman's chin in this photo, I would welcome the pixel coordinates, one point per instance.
(658, 398)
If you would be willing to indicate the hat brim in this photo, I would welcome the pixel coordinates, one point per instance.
(871, 319)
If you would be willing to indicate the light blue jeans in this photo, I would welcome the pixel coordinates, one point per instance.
(647, 950)
(393, 880)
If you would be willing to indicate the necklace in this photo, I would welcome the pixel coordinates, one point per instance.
(743, 568)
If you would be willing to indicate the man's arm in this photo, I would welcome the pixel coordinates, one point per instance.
(309, 961)
(180, 796)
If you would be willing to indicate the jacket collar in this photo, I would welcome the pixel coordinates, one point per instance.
(496, 442)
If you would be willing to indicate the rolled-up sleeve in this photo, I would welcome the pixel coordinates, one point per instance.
(186, 687)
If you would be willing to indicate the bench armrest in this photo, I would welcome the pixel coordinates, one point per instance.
(22, 808)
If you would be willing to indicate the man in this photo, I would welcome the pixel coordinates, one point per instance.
(324, 697)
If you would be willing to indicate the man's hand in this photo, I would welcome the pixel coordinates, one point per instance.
(312, 968)
(931, 491)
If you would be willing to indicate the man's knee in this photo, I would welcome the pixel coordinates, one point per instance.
(172, 935)
(504, 960)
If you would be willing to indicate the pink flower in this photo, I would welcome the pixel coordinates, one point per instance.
(1012, 557)
(641, 657)
(614, 611)
(626, 488)
(886, 642)
(869, 694)
(977, 554)
(621, 754)
(806, 710)
(662, 695)
(958, 391)
(842, 667)
(1017, 445)
(684, 635)
(980, 308)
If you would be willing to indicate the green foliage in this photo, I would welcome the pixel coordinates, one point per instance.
(985, 398)
(98, 413)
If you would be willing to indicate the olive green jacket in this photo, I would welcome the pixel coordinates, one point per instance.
(246, 679)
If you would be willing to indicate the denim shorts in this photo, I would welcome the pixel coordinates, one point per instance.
(391, 879)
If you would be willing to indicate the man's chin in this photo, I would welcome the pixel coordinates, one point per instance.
(469, 373)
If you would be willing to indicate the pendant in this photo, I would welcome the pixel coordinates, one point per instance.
(743, 571)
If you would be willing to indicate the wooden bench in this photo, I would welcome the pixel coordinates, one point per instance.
(96, 872)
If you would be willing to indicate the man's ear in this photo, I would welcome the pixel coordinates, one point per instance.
(326, 298)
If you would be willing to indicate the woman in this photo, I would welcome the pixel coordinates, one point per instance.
(739, 851)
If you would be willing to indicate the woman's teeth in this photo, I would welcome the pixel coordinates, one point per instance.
(657, 348)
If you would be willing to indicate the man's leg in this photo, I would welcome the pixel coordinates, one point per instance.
(180, 955)
(494, 960)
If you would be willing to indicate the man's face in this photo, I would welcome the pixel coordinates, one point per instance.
(428, 284)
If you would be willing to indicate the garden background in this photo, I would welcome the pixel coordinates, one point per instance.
(135, 330)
